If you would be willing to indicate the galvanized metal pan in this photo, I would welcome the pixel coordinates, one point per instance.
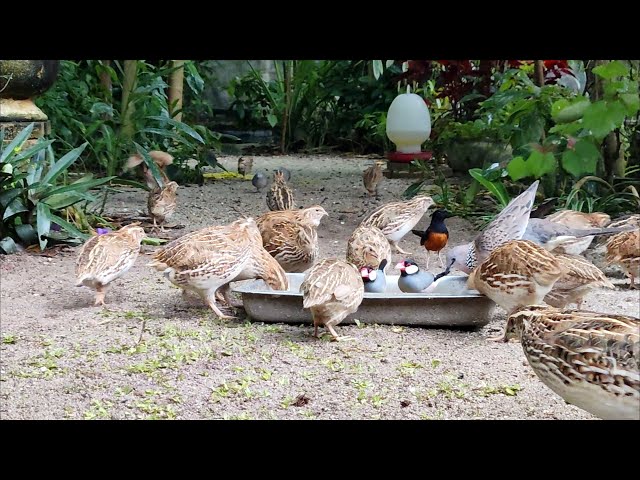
(450, 304)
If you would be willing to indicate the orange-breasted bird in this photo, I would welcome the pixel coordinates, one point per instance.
(436, 236)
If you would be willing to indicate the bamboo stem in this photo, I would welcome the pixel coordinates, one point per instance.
(105, 80)
(176, 84)
(128, 107)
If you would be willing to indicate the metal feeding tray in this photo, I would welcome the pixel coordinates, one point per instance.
(450, 304)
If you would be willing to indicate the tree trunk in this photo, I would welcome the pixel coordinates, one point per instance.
(287, 103)
(176, 84)
(613, 153)
(538, 70)
(128, 107)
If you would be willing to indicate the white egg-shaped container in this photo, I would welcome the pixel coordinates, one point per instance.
(408, 122)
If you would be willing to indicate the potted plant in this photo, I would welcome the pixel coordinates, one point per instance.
(474, 144)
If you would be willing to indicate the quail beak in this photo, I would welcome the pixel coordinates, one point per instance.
(364, 273)
(400, 266)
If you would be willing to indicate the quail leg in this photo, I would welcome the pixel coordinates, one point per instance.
(397, 248)
(226, 294)
(440, 258)
(101, 291)
(217, 311)
(336, 337)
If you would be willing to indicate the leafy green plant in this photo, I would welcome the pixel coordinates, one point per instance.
(586, 123)
(112, 123)
(314, 103)
(491, 179)
(35, 189)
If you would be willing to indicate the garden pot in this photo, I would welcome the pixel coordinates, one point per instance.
(20, 82)
(463, 155)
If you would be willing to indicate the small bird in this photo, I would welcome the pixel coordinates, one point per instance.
(412, 279)
(259, 181)
(516, 274)
(245, 164)
(161, 203)
(590, 359)
(280, 196)
(103, 258)
(209, 259)
(581, 277)
(396, 219)
(290, 236)
(368, 247)
(624, 249)
(374, 278)
(162, 159)
(285, 172)
(509, 224)
(436, 236)
(331, 289)
(578, 220)
(372, 177)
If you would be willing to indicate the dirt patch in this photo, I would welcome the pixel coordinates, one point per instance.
(63, 358)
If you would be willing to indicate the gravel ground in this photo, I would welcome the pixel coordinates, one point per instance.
(62, 358)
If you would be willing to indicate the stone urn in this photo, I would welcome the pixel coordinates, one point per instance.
(20, 82)
(463, 155)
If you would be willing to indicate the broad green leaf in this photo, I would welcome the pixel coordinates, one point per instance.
(603, 117)
(530, 130)
(377, 68)
(63, 200)
(8, 246)
(180, 126)
(43, 223)
(34, 170)
(67, 227)
(388, 63)
(518, 169)
(31, 151)
(272, 119)
(63, 164)
(413, 189)
(79, 186)
(497, 189)
(151, 164)
(16, 206)
(27, 234)
(18, 141)
(100, 108)
(631, 102)
(582, 160)
(7, 196)
(541, 163)
(611, 70)
(566, 128)
(565, 111)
